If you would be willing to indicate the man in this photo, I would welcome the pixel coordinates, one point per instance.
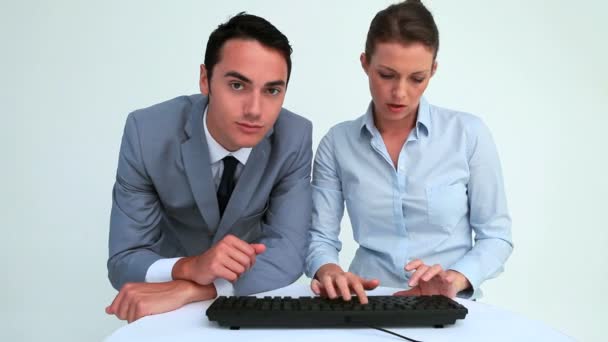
(212, 193)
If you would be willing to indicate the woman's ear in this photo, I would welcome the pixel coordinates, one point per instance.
(364, 62)
(433, 68)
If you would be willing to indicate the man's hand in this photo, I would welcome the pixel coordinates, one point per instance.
(136, 300)
(433, 280)
(331, 281)
(227, 259)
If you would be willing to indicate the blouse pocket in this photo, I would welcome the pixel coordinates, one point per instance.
(447, 204)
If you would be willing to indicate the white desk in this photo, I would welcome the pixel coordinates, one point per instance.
(483, 323)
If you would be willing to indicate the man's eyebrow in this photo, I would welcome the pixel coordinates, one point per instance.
(243, 78)
(237, 75)
(278, 83)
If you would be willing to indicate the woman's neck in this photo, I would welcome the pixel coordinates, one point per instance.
(396, 127)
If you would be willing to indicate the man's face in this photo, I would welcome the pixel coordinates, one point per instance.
(246, 93)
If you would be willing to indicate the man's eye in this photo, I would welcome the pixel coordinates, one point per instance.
(273, 91)
(236, 85)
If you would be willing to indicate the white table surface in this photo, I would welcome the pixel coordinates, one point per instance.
(483, 323)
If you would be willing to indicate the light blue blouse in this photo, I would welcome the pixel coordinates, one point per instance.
(444, 203)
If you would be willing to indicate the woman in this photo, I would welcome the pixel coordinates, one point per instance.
(417, 179)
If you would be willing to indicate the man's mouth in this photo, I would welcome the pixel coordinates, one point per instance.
(249, 128)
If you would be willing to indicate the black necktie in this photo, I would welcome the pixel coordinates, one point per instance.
(227, 183)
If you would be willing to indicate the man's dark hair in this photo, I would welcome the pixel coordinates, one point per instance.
(248, 27)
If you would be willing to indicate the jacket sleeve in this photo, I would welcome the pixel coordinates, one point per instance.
(135, 234)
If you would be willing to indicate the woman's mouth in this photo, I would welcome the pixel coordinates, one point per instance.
(395, 108)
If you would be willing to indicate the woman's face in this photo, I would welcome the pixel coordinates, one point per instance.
(398, 75)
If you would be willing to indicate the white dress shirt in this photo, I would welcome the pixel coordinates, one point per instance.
(160, 271)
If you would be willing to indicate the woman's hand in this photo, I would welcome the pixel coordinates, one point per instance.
(433, 280)
(331, 281)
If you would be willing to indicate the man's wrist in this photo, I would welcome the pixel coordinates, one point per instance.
(181, 269)
(196, 292)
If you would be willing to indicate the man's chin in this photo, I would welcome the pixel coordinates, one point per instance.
(249, 142)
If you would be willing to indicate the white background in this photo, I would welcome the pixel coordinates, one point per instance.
(71, 71)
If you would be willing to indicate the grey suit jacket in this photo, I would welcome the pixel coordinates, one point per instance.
(164, 199)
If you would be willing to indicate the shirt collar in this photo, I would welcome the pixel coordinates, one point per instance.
(423, 120)
(217, 152)
(423, 123)
(367, 120)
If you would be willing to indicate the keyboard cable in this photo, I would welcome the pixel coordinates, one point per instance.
(393, 333)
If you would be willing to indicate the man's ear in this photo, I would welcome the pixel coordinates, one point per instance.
(203, 81)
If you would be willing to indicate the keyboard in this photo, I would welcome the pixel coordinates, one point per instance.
(382, 311)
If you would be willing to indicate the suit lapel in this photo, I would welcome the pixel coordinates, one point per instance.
(195, 154)
(245, 187)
